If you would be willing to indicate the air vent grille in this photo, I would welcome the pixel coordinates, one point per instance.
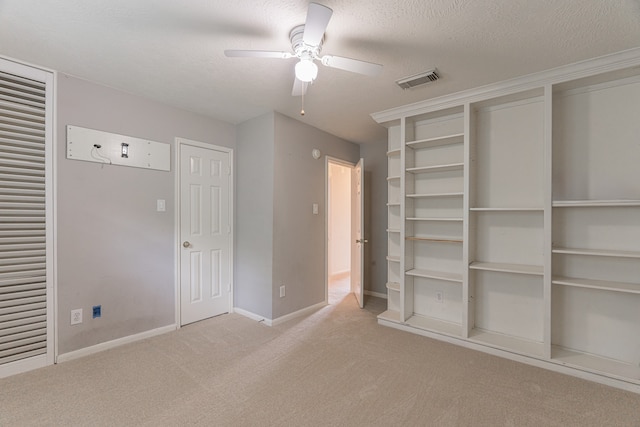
(418, 79)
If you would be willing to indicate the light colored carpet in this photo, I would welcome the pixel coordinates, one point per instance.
(336, 367)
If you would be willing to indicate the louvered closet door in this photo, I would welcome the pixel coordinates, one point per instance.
(23, 272)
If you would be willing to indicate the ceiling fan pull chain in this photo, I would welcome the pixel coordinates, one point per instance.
(302, 109)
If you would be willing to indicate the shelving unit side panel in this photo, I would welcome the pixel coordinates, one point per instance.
(595, 143)
(604, 228)
(393, 189)
(394, 248)
(510, 155)
(608, 328)
(394, 138)
(510, 304)
(394, 219)
(509, 237)
(438, 299)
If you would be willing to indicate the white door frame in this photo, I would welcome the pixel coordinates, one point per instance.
(327, 160)
(176, 239)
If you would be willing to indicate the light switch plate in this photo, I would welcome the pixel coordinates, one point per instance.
(315, 209)
(161, 205)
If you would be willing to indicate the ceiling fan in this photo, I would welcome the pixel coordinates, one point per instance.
(306, 43)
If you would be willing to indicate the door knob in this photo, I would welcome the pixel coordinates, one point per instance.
(186, 244)
(362, 241)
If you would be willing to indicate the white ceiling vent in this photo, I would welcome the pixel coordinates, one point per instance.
(418, 79)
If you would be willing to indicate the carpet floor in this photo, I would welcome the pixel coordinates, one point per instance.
(335, 367)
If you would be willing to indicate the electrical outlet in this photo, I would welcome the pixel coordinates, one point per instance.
(76, 316)
(439, 297)
(282, 291)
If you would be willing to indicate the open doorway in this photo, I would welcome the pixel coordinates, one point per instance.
(339, 197)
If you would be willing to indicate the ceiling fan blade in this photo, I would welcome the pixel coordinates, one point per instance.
(353, 65)
(318, 17)
(257, 54)
(299, 88)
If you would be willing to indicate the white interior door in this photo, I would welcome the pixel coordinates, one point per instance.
(205, 233)
(357, 232)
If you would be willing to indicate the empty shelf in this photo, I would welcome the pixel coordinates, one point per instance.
(535, 270)
(431, 274)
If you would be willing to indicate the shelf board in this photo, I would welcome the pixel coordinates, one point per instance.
(431, 274)
(535, 270)
(435, 142)
(393, 258)
(392, 230)
(594, 363)
(594, 203)
(390, 316)
(395, 152)
(393, 178)
(437, 168)
(507, 342)
(393, 204)
(421, 196)
(435, 325)
(633, 288)
(596, 252)
(435, 219)
(393, 286)
(530, 209)
(434, 239)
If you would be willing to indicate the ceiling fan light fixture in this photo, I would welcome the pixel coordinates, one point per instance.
(306, 70)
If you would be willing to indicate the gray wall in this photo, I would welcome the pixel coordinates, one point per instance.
(375, 253)
(254, 215)
(298, 235)
(113, 248)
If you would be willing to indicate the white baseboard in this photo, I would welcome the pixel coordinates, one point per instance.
(282, 319)
(298, 313)
(114, 343)
(25, 365)
(252, 316)
(376, 294)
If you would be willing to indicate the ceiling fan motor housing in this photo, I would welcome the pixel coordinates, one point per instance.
(301, 49)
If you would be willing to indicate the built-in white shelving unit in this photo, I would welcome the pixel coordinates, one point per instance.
(514, 219)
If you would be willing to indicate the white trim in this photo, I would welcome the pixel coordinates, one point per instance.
(345, 163)
(114, 343)
(282, 319)
(24, 365)
(376, 294)
(252, 316)
(178, 143)
(540, 363)
(299, 313)
(620, 60)
(49, 78)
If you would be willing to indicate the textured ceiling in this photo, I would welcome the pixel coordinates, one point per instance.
(172, 51)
